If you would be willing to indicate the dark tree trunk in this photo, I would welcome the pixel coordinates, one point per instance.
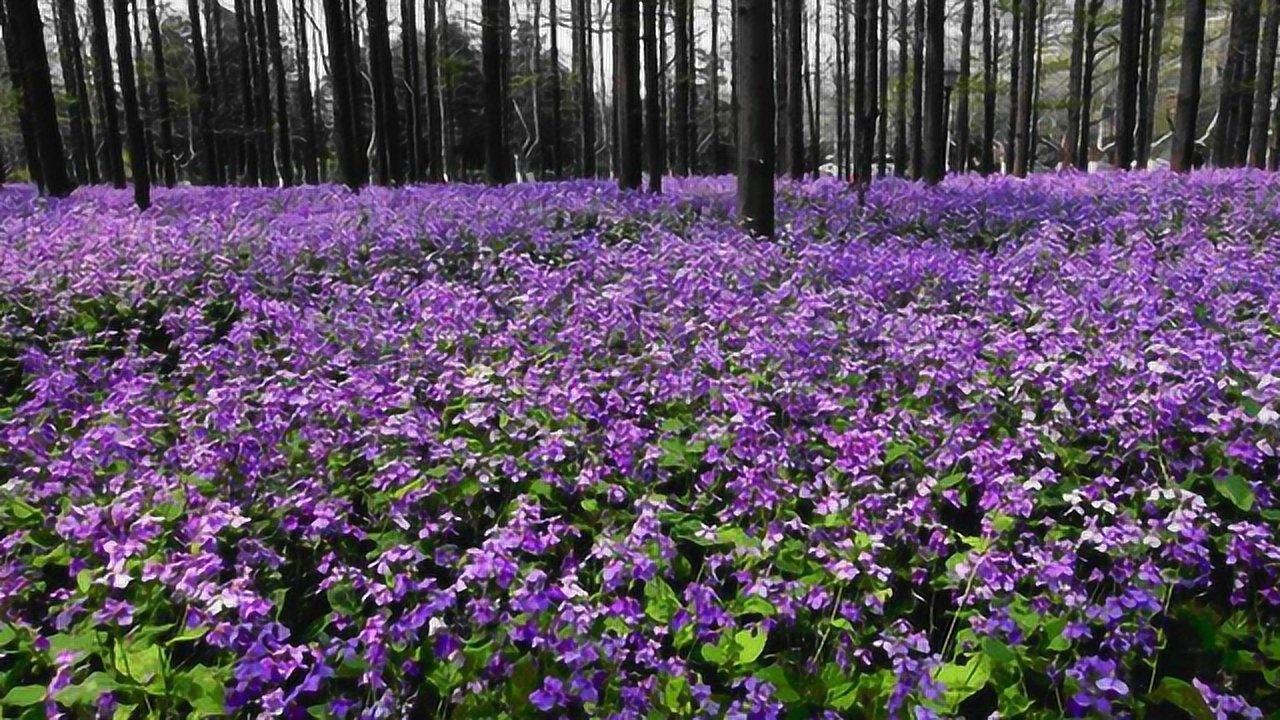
(654, 152)
(755, 116)
(284, 143)
(1127, 82)
(248, 148)
(870, 109)
(717, 144)
(626, 89)
(1243, 115)
(1266, 81)
(412, 81)
(69, 56)
(844, 87)
(1075, 78)
(16, 55)
(1015, 82)
(493, 30)
(795, 90)
(1086, 84)
(113, 157)
(1023, 142)
(882, 116)
(555, 151)
(859, 64)
(1151, 83)
(385, 112)
(900, 121)
(1237, 77)
(962, 88)
(935, 160)
(683, 89)
(36, 88)
(132, 118)
(917, 91)
(815, 118)
(1035, 95)
(435, 163)
(144, 98)
(262, 86)
(586, 100)
(692, 135)
(1183, 149)
(344, 128)
(306, 101)
(208, 147)
(168, 168)
(990, 71)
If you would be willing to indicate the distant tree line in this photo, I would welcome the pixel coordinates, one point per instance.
(282, 92)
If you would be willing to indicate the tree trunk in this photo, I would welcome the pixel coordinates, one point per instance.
(262, 88)
(555, 152)
(870, 94)
(1127, 82)
(144, 98)
(795, 89)
(1243, 116)
(16, 55)
(935, 159)
(68, 40)
(586, 102)
(1151, 82)
(415, 118)
(882, 116)
(132, 118)
(385, 111)
(1266, 81)
(1015, 82)
(962, 89)
(344, 133)
(815, 118)
(859, 64)
(1235, 83)
(843, 90)
(306, 101)
(682, 89)
(168, 168)
(1070, 145)
(917, 91)
(900, 124)
(495, 93)
(36, 88)
(248, 148)
(990, 71)
(1086, 84)
(654, 152)
(435, 126)
(755, 116)
(1023, 142)
(208, 148)
(1183, 150)
(113, 165)
(626, 93)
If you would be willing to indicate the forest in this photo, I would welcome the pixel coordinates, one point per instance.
(640, 359)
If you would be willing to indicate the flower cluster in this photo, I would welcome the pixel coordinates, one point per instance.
(995, 448)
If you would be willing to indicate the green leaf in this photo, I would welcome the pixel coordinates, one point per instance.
(756, 605)
(1184, 696)
(776, 675)
(714, 654)
(962, 681)
(751, 644)
(661, 602)
(843, 696)
(895, 451)
(1236, 489)
(673, 693)
(87, 691)
(998, 652)
(141, 662)
(24, 696)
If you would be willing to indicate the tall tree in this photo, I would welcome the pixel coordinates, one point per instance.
(586, 101)
(36, 94)
(795, 90)
(1151, 83)
(900, 115)
(208, 148)
(309, 150)
(1127, 82)
(1092, 30)
(16, 56)
(262, 95)
(754, 65)
(141, 75)
(411, 73)
(683, 89)
(132, 117)
(386, 114)
(882, 126)
(1075, 78)
(345, 134)
(248, 165)
(1236, 79)
(815, 119)
(859, 87)
(917, 91)
(435, 117)
(1024, 144)
(870, 96)
(962, 88)
(1183, 150)
(168, 167)
(626, 89)
(555, 151)
(1266, 81)
(70, 57)
(113, 157)
(935, 159)
(654, 152)
(497, 162)
(990, 70)
(1015, 83)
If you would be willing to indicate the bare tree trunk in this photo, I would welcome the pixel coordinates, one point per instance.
(586, 101)
(870, 93)
(935, 148)
(36, 88)
(435, 162)
(1266, 81)
(1015, 82)
(1070, 144)
(654, 152)
(495, 93)
(132, 118)
(17, 57)
(167, 167)
(73, 80)
(843, 87)
(682, 89)
(917, 91)
(385, 111)
(882, 119)
(1236, 78)
(208, 143)
(815, 117)
(962, 88)
(262, 95)
(344, 134)
(900, 126)
(113, 166)
(415, 118)
(1183, 149)
(795, 89)
(755, 116)
(990, 71)
(859, 63)
(248, 148)
(1086, 83)
(144, 98)
(1127, 82)
(1026, 88)
(306, 101)
(555, 152)
(626, 92)
(1151, 82)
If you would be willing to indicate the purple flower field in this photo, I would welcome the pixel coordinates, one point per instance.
(999, 448)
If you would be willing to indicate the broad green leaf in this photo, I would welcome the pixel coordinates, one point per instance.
(87, 691)
(962, 681)
(24, 696)
(1184, 696)
(751, 644)
(1236, 489)
(661, 602)
(776, 675)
